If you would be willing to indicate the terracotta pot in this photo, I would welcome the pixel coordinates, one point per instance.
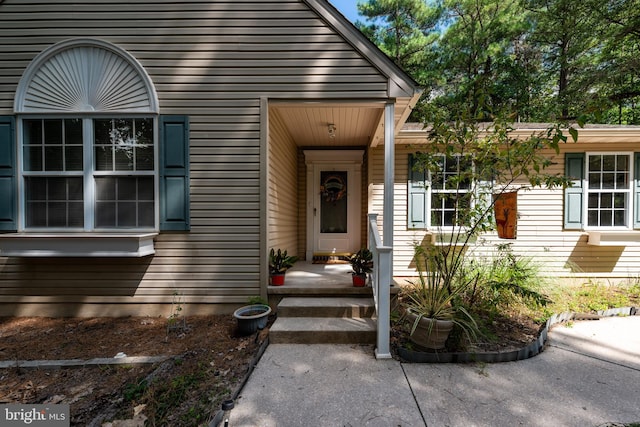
(430, 333)
(359, 280)
(277, 279)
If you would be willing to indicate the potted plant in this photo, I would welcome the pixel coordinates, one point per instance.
(279, 263)
(362, 264)
(433, 304)
(250, 318)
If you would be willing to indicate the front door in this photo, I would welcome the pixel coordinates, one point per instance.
(333, 201)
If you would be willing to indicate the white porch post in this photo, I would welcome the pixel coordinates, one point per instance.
(389, 172)
(385, 253)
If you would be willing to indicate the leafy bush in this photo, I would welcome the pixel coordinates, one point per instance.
(504, 282)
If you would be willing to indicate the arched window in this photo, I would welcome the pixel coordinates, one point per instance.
(87, 165)
(87, 138)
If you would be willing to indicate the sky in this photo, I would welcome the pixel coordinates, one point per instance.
(348, 8)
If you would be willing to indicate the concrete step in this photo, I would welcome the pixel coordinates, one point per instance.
(323, 330)
(353, 307)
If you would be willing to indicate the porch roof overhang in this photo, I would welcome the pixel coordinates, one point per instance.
(356, 123)
(359, 122)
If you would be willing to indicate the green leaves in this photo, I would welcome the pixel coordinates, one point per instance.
(535, 60)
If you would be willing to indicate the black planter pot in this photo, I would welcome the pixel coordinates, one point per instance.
(250, 318)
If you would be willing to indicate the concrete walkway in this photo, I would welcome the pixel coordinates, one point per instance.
(589, 375)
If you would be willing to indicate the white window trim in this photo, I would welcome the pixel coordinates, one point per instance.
(89, 175)
(442, 234)
(115, 243)
(608, 230)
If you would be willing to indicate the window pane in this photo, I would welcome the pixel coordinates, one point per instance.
(145, 189)
(622, 180)
(146, 214)
(124, 158)
(127, 214)
(623, 163)
(53, 132)
(593, 200)
(73, 132)
(57, 212)
(32, 150)
(144, 158)
(619, 218)
(105, 188)
(436, 218)
(105, 214)
(32, 158)
(73, 158)
(32, 131)
(36, 215)
(606, 200)
(595, 163)
(608, 181)
(606, 218)
(56, 189)
(124, 202)
(123, 140)
(594, 180)
(104, 158)
(593, 218)
(127, 188)
(76, 214)
(448, 218)
(333, 202)
(53, 159)
(102, 131)
(50, 202)
(608, 163)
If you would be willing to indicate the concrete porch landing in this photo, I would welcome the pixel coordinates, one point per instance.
(306, 278)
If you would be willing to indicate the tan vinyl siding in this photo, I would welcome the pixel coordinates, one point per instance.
(563, 253)
(282, 208)
(212, 61)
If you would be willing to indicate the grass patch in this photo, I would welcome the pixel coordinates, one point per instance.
(591, 297)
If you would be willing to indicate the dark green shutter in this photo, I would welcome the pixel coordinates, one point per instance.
(574, 195)
(174, 173)
(8, 188)
(417, 196)
(636, 190)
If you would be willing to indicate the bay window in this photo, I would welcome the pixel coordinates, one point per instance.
(89, 173)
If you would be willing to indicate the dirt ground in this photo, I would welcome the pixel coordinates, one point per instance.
(207, 363)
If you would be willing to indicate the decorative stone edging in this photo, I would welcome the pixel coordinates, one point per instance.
(526, 352)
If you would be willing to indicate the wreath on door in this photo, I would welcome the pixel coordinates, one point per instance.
(333, 189)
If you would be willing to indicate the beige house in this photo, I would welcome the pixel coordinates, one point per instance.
(590, 231)
(154, 149)
(149, 149)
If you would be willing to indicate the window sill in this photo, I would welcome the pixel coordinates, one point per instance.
(77, 244)
(614, 238)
